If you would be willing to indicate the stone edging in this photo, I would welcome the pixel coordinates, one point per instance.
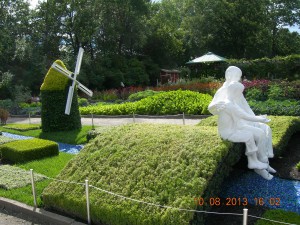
(37, 213)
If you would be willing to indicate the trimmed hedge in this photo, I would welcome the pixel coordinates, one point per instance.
(54, 92)
(27, 150)
(172, 102)
(53, 111)
(283, 127)
(161, 164)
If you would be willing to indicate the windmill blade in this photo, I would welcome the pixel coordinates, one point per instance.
(79, 60)
(84, 89)
(69, 100)
(62, 70)
(69, 74)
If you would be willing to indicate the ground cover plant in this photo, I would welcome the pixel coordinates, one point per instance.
(161, 164)
(172, 102)
(70, 137)
(4, 139)
(15, 177)
(43, 166)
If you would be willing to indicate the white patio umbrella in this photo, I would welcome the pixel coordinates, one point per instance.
(208, 57)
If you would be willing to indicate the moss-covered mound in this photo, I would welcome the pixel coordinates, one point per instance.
(162, 164)
(54, 92)
(283, 127)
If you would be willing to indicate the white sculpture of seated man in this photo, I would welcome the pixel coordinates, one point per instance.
(238, 123)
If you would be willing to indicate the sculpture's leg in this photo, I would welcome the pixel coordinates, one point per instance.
(264, 174)
(271, 170)
(254, 163)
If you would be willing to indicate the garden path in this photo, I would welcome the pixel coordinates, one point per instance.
(115, 121)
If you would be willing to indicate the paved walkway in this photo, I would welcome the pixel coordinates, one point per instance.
(115, 121)
(14, 218)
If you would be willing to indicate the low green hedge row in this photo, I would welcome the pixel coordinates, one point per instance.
(27, 150)
(172, 102)
(162, 164)
(276, 107)
(283, 127)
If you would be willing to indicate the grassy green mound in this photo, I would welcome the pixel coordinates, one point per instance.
(27, 150)
(283, 127)
(14, 177)
(172, 102)
(161, 164)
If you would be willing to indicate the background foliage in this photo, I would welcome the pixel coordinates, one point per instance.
(129, 41)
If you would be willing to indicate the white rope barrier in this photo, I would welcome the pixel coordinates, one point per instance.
(245, 213)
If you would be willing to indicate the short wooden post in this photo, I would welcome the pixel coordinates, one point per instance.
(133, 117)
(33, 188)
(245, 216)
(93, 127)
(183, 118)
(87, 201)
(29, 118)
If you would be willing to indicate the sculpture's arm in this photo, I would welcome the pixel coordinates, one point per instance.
(237, 112)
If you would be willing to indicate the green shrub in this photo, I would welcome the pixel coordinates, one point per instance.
(27, 150)
(255, 94)
(161, 164)
(279, 215)
(6, 104)
(283, 127)
(140, 95)
(172, 102)
(276, 92)
(298, 166)
(276, 107)
(83, 102)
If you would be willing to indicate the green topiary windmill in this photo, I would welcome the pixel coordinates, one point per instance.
(58, 111)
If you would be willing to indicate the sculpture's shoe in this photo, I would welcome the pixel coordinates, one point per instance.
(271, 170)
(264, 173)
(254, 163)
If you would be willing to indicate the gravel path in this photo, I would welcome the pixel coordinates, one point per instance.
(115, 121)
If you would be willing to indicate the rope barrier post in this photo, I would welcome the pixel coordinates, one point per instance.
(183, 118)
(87, 201)
(29, 118)
(33, 188)
(93, 127)
(245, 215)
(133, 118)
